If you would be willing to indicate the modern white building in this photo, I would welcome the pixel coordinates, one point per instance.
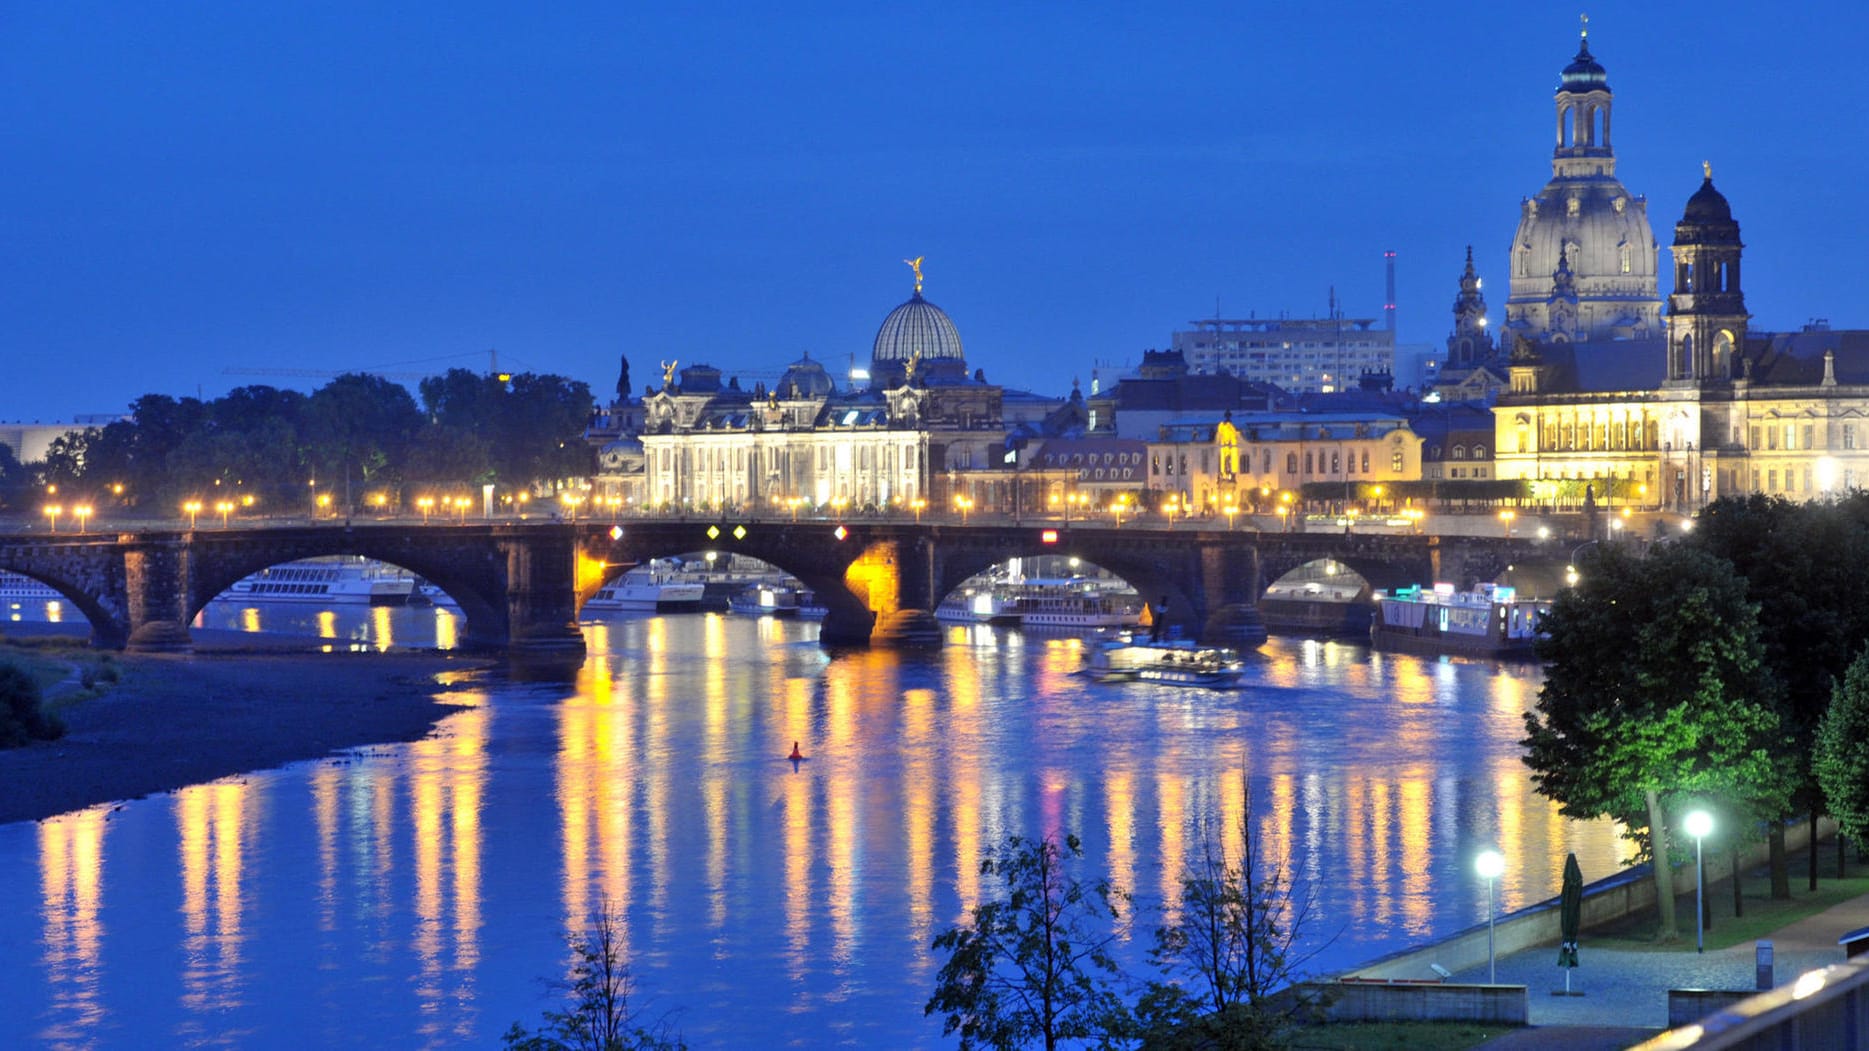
(1301, 355)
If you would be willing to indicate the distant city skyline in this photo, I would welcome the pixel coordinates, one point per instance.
(190, 193)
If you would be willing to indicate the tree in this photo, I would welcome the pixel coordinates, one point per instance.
(1806, 570)
(598, 1016)
(23, 719)
(1229, 955)
(1654, 688)
(1842, 760)
(359, 427)
(1035, 964)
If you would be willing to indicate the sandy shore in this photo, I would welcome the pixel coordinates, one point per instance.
(180, 720)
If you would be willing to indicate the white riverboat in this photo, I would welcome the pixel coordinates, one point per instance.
(1076, 602)
(1171, 662)
(992, 604)
(656, 586)
(340, 580)
(17, 588)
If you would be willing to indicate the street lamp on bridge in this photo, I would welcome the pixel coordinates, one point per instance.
(52, 511)
(192, 508)
(83, 514)
(225, 507)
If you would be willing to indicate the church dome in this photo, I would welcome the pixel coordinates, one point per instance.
(805, 379)
(1708, 205)
(1584, 73)
(916, 327)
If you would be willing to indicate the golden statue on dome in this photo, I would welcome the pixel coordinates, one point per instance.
(916, 265)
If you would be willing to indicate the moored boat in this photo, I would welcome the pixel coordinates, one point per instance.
(655, 586)
(1489, 621)
(343, 579)
(766, 600)
(1076, 602)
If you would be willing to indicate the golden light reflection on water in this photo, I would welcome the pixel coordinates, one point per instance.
(382, 628)
(447, 777)
(71, 882)
(211, 820)
(447, 629)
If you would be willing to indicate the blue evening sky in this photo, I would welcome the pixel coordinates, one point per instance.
(189, 189)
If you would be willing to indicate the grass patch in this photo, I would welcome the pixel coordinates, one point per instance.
(1393, 1036)
(1763, 915)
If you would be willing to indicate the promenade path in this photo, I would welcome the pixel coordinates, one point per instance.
(1625, 991)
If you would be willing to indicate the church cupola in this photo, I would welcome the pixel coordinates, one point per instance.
(1707, 312)
(1583, 106)
(1470, 342)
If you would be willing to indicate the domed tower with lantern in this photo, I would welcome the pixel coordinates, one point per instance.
(1707, 312)
(1585, 225)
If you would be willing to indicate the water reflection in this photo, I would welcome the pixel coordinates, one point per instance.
(71, 868)
(416, 892)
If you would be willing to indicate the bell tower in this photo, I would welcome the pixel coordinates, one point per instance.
(1707, 312)
(1583, 108)
(1470, 343)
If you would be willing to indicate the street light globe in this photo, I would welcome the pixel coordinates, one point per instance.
(1489, 864)
(1698, 823)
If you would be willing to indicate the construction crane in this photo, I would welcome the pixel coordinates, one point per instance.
(493, 362)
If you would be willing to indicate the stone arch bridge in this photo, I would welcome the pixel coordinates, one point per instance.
(520, 584)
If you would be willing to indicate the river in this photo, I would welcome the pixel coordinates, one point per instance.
(416, 895)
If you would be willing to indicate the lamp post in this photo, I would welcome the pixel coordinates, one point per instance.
(52, 511)
(427, 504)
(1121, 505)
(1489, 865)
(918, 504)
(965, 504)
(83, 513)
(192, 508)
(1698, 823)
(1505, 518)
(1231, 510)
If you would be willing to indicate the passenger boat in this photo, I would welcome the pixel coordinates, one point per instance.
(17, 588)
(993, 604)
(339, 580)
(1076, 602)
(656, 586)
(766, 600)
(1172, 662)
(1489, 621)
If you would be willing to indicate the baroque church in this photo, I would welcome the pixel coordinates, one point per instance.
(1603, 388)
(921, 426)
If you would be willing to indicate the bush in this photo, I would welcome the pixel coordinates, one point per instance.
(22, 709)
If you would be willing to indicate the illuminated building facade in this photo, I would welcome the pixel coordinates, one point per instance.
(1209, 465)
(1310, 355)
(1718, 411)
(922, 422)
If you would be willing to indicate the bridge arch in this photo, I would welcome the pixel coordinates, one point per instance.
(108, 627)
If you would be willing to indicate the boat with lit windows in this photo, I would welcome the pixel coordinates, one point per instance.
(991, 604)
(657, 586)
(1170, 662)
(1076, 602)
(341, 579)
(16, 587)
(766, 600)
(1489, 621)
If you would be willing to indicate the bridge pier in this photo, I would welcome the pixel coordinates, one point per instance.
(156, 576)
(541, 597)
(893, 583)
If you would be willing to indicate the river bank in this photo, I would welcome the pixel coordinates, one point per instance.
(180, 720)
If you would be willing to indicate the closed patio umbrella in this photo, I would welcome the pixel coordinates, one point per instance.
(1570, 918)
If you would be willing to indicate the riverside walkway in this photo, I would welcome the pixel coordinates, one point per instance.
(1625, 990)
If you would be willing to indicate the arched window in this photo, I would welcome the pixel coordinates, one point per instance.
(1460, 452)
(1291, 463)
(1479, 452)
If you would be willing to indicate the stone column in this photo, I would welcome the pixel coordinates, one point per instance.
(1230, 581)
(156, 578)
(541, 595)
